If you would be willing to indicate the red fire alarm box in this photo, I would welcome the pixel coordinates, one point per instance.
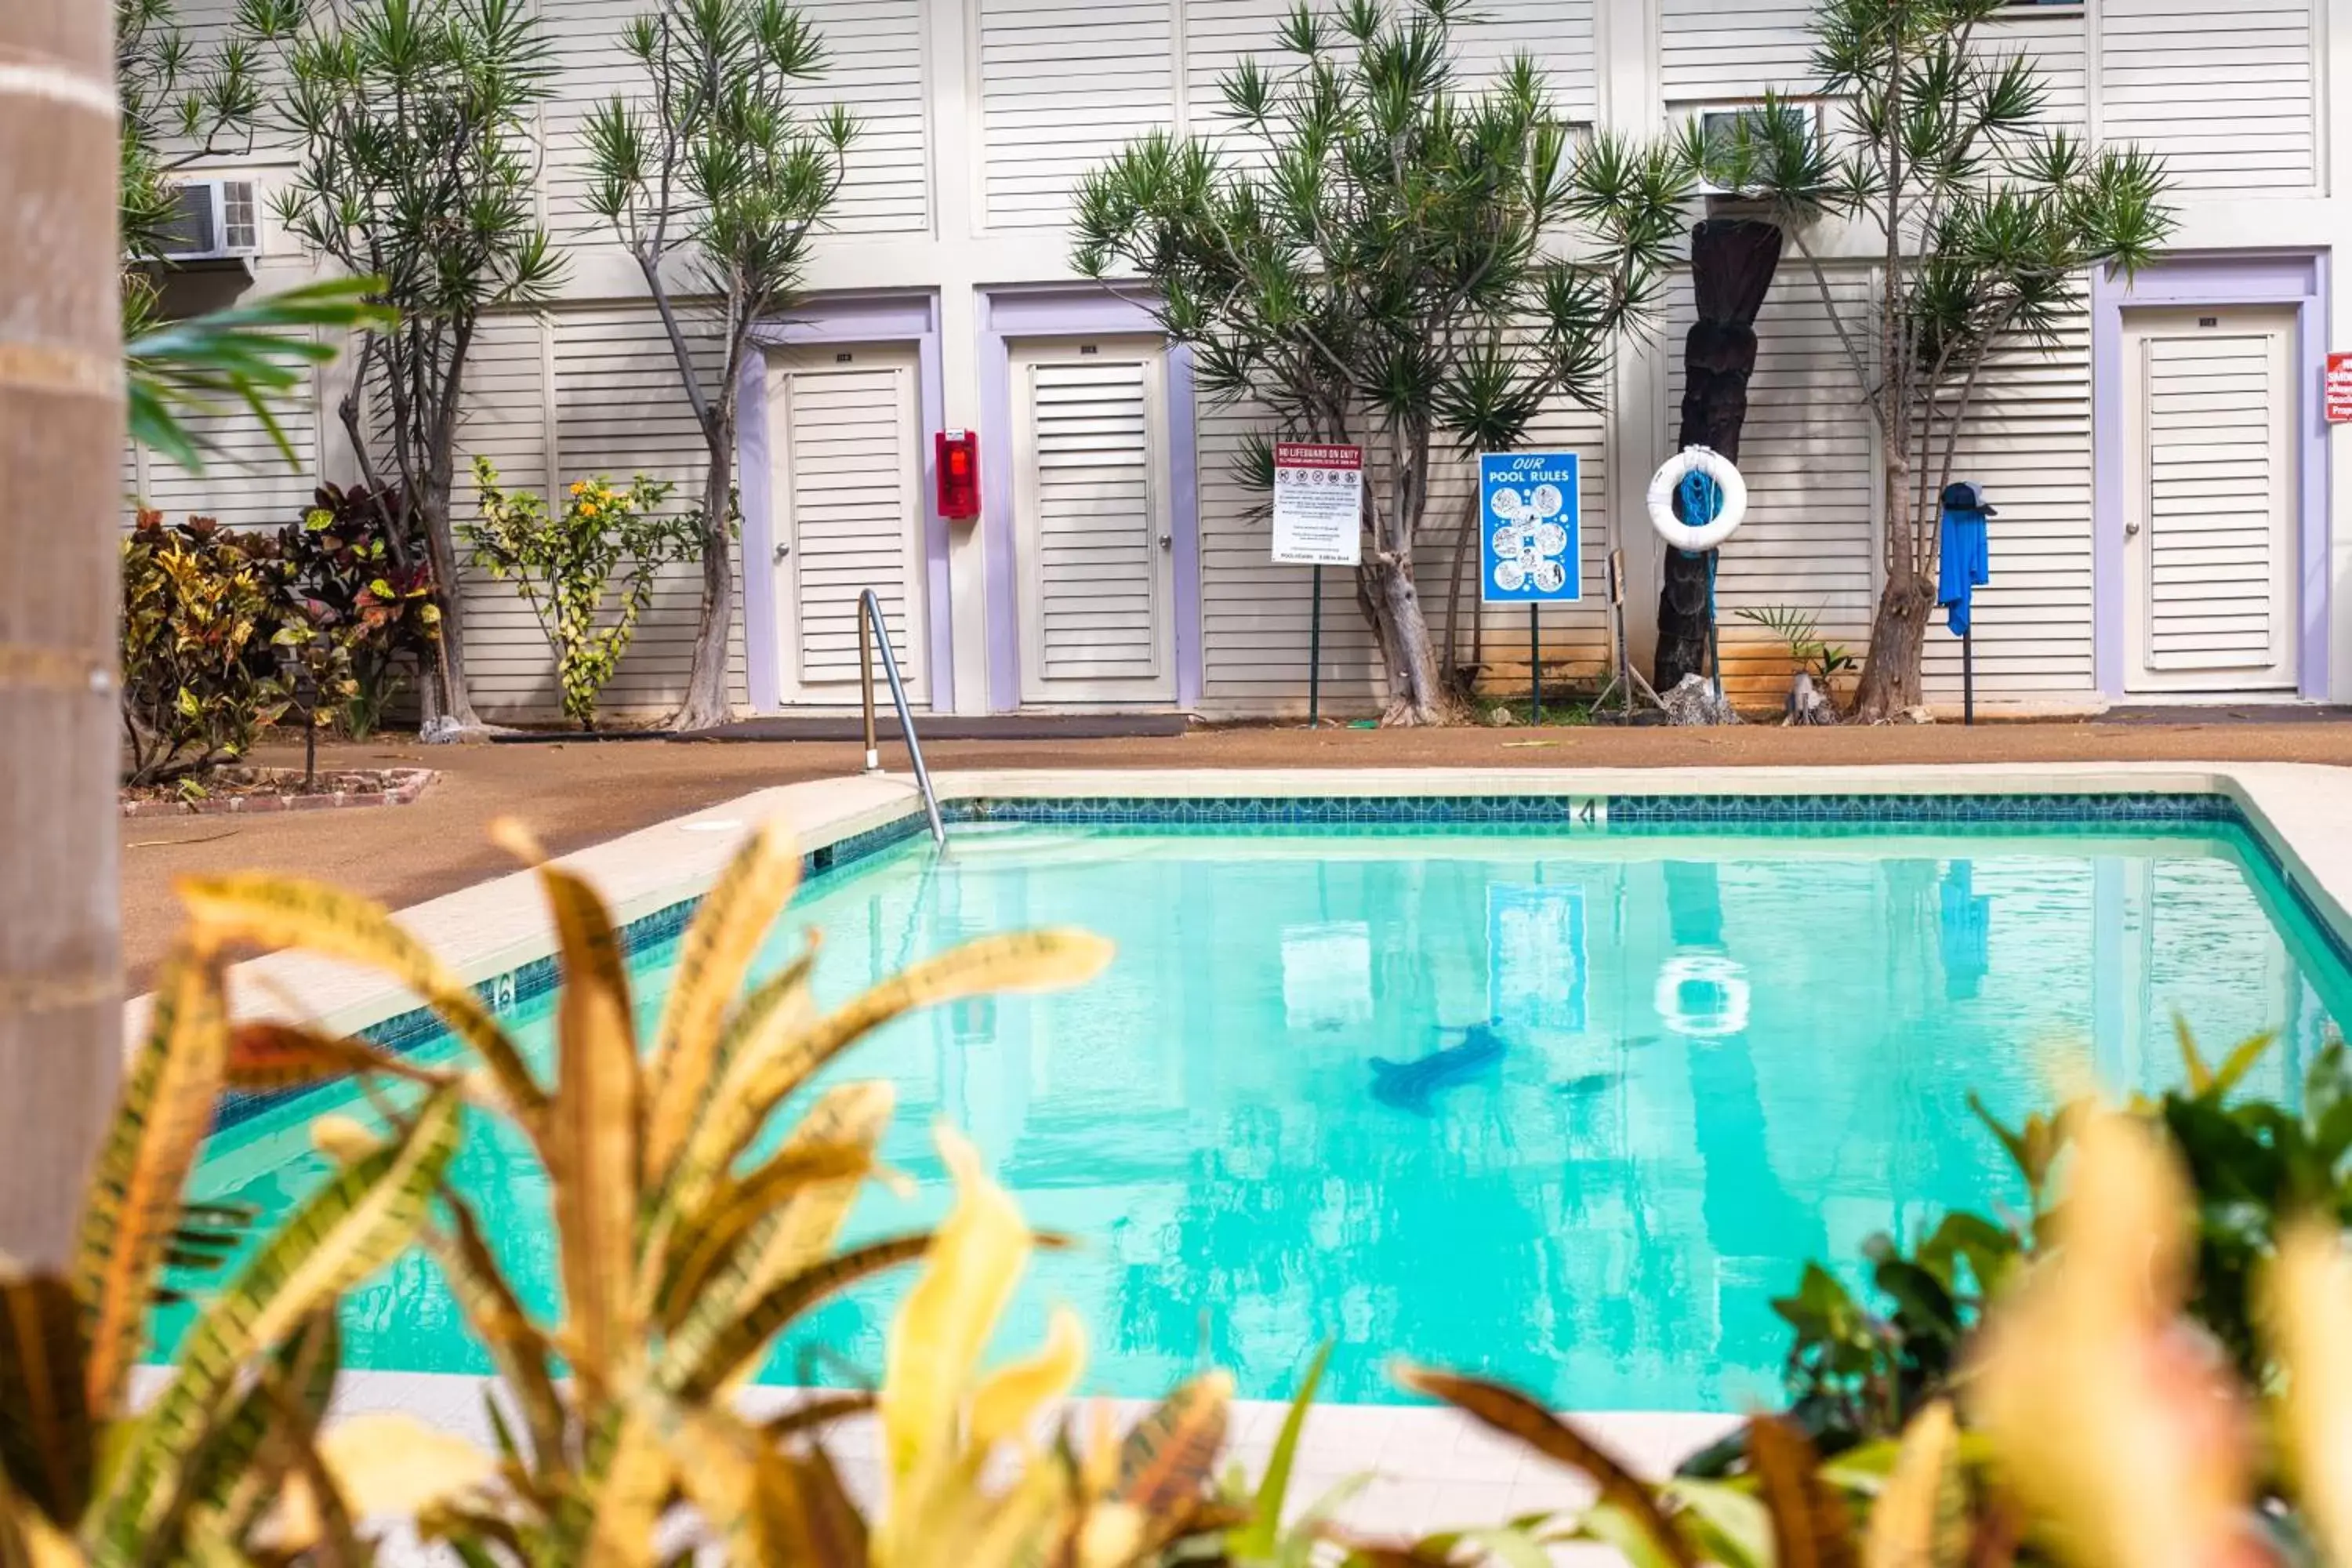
(956, 457)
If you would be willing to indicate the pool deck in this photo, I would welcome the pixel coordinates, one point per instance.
(1430, 1468)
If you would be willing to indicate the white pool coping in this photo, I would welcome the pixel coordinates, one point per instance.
(1420, 1468)
(1430, 1468)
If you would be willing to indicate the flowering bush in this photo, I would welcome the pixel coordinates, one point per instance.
(563, 565)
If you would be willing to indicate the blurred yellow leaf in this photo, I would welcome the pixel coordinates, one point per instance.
(933, 1352)
(728, 926)
(2308, 1302)
(1009, 1398)
(591, 1138)
(342, 1139)
(1904, 1524)
(2107, 1424)
(387, 1465)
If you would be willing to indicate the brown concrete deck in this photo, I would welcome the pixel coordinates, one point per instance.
(576, 792)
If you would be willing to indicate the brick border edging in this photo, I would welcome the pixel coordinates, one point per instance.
(406, 785)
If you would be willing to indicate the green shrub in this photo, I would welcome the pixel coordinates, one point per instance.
(563, 565)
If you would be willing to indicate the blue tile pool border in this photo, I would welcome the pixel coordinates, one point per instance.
(1611, 814)
(1603, 812)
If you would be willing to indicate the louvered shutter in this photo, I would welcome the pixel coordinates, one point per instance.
(2221, 93)
(1095, 603)
(2218, 583)
(1064, 85)
(851, 512)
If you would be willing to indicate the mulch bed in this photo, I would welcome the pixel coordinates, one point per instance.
(246, 791)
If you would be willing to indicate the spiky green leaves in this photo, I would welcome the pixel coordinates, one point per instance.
(713, 160)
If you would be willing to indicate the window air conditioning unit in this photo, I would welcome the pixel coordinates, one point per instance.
(1721, 126)
(216, 220)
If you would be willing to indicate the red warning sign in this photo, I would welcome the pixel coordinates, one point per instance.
(2338, 392)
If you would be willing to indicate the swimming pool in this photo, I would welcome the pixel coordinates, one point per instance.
(1566, 1100)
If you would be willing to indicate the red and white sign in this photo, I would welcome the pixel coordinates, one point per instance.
(2338, 392)
(1319, 504)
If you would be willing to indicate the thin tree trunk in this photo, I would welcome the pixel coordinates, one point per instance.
(1732, 264)
(1393, 602)
(446, 694)
(60, 465)
(1898, 631)
(705, 706)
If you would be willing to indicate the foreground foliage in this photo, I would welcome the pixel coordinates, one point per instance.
(1862, 1365)
(2148, 1366)
(685, 1242)
(194, 1475)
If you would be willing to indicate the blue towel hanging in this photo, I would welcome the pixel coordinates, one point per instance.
(1967, 562)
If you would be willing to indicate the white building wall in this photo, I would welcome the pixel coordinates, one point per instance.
(978, 115)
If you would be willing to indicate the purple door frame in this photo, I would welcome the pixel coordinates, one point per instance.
(857, 318)
(1068, 313)
(2297, 279)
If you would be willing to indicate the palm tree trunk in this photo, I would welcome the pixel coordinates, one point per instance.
(1732, 264)
(60, 468)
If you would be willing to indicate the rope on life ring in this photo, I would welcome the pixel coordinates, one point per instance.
(1698, 538)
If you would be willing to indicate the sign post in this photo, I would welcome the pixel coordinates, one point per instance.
(1319, 522)
(1530, 542)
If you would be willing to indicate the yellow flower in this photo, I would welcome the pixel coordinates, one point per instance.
(579, 485)
(587, 509)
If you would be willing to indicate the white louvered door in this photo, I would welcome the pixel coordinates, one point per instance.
(1095, 583)
(844, 432)
(2210, 546)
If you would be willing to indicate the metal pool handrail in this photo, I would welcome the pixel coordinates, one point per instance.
(869, 619)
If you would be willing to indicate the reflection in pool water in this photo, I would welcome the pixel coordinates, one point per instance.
(1633, 1082)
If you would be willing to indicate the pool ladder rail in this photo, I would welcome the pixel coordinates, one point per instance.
(872, 633)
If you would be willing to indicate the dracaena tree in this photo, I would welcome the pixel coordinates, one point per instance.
(1982, 223)
(1372, 254)
(715, 183)
(414, 124)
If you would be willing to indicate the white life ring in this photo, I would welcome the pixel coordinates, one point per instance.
(1718, 1007)
(1696, 539)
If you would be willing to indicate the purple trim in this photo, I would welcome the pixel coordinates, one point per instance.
(1001, 612)
(861, 319)
(2218, 281)
(763, 674)
(1184, 503)
(1006, 314)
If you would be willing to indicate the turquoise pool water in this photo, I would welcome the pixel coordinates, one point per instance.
(1569, 1109)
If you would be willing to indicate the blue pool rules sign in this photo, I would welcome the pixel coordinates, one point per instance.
(1533, 539)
